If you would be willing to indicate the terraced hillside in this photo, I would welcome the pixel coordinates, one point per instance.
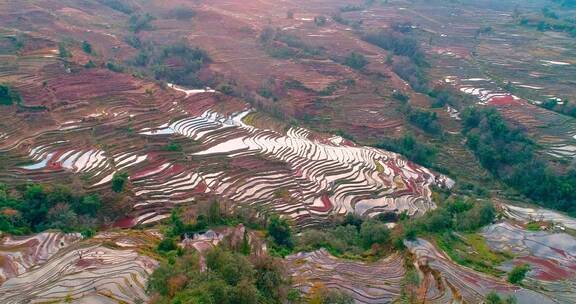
(293, 173)
(369, 283)
(550, 255)
(87, 124)
(189, 132)
(107, 269)
(447, 282)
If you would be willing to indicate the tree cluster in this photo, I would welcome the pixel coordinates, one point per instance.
(356, 61)
(409, 147)
(177, 63)
(140, 22)
(34, 208)
(353, 237)
(453, 215)
(228, 278)
(511, 156)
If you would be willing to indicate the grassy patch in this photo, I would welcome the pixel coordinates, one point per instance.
(250, 119)
(471, 250)
(533, 226)
(172, 147)
(379, 167)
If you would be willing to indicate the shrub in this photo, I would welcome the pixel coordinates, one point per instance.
(166, 245)
(267, 35)
(182, 13)
(518, 273)
(281, 52)
(401, 97)
(356, 61)
(173, 147)
(63, 52)
(425, 120)
(119, 5)
(494, 298)
(90, 64)
(480, 215)
(138, 23)
(320, 20)
(454, 214)
(114, 67)
(228, 278)
(410, 72)
(134, 41)
(331, 296)
(350, 8)
(8, 95)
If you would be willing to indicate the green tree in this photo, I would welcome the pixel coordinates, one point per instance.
(373, 232)
(353, 219)
(280, 231)
(410, 147)
(167, 244)
(245, 249)
(231, 267)
(244, 293)
(63, 52)
(480, 215)
(119, 181)
(89, 205)
(271, 277)
(62, 217)
(177, 227)
(8, 95)
(214, 213)
(86, 47)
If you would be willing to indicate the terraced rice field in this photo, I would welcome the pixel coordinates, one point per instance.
(87, 138)
(526, 214)
(20, 255)
(298, 173)
(555, 131)
(447, 282)
(347, 177)
(512, 67)
(550, 255)
(107, 269)
(378, 282)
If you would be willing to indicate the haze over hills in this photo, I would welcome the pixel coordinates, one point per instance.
(323, 151)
